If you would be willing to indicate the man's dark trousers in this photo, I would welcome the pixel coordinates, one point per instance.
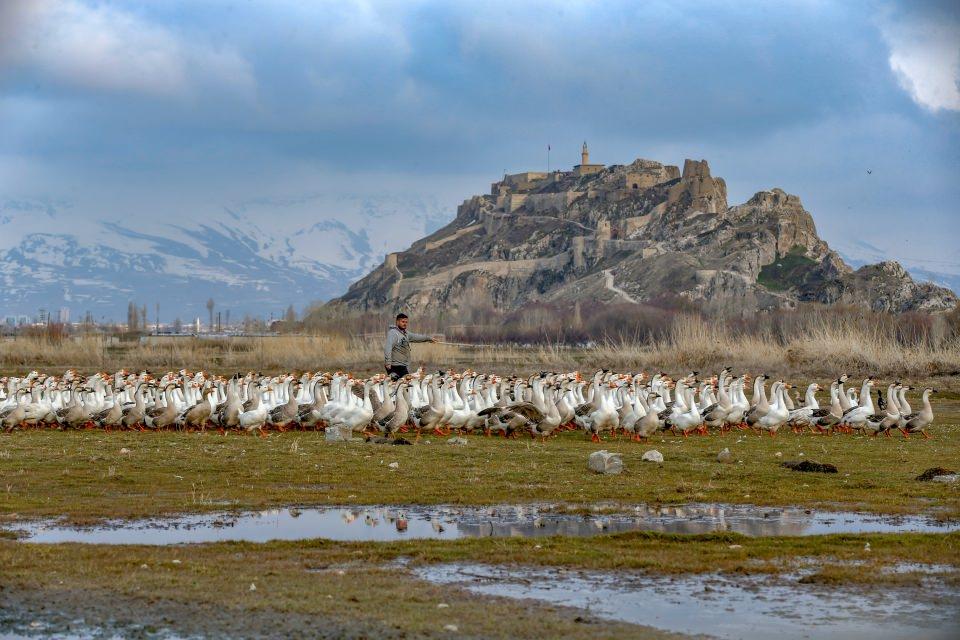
(397, 371)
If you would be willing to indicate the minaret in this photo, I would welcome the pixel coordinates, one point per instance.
(584, 154)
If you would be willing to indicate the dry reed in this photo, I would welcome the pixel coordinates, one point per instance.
(815, 346)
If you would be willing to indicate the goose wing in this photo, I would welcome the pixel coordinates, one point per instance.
(528, 410)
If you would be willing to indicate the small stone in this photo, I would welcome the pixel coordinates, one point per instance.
(652, 456)
(725, 456)
(778, 454)
(143, 566)
(537, 546)
(949, 479)
(35, 624)
(605, 462)
(442, 605)
(394, 465)
(735, 546)
(253, 587)
(341, 572)
(337, 434)
(457, 440)
(124, 451)
(175, 561)
(866, 547)
(451, 627)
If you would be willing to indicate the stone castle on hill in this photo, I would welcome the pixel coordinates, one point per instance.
(630, 234)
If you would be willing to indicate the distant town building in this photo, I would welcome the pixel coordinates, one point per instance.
(16, 320)
(63, 315)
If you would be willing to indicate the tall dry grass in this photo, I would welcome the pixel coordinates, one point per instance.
(813, 345)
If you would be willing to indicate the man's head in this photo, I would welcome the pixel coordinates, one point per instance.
(402, 321)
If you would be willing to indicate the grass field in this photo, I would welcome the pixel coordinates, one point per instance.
(336, 589)
(84, 475)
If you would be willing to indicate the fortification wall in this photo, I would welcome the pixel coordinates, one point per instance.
(502, 268)
(543, 202)
(460, 233)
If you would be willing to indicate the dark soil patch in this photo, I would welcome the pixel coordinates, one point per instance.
(810, 466)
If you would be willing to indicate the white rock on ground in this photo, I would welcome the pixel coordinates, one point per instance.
(652, 456)
(457, 440)
(605, 462)
(338, 434)
(725, 456)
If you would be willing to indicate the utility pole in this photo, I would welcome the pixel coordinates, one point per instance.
(548, 159)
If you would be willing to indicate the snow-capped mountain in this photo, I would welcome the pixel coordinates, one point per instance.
(858, 253)
(255, 257)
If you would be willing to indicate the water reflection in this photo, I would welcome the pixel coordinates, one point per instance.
(445, 522)
(739, 607)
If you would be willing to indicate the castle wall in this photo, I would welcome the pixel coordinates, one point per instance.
(559, 202)
(442, 241)
(587, 169)
(502, 268)
(513, 201)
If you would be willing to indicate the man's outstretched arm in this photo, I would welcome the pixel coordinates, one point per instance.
(419, 337)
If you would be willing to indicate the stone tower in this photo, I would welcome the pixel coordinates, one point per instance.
(584, 154)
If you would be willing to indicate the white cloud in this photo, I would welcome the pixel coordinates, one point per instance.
(925, 56)
(102, 47)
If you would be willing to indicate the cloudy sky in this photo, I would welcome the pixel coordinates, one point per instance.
(142, 108)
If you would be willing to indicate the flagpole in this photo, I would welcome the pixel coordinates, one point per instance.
(548, 159)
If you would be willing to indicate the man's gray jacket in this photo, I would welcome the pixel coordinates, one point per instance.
(396, 351)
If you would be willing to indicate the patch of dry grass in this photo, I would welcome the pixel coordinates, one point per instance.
(816, 345)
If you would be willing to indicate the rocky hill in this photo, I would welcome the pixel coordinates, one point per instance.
(630, 233)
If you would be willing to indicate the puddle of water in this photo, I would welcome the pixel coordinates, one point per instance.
(89, 634)
(745, 608)
(77, 629)
(447, 523)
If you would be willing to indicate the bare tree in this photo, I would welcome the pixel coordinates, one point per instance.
(210, 305)
(131, 317)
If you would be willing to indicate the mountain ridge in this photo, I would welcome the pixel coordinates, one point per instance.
(251, 258)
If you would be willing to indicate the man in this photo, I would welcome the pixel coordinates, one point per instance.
(396, 351)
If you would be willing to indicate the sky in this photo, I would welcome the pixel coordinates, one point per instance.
(177, 108)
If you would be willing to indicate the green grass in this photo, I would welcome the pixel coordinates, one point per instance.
(208, 587)
(357, 584)
(84, 476)
(786, 271)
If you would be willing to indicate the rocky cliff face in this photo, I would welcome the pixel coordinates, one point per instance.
(631, 233)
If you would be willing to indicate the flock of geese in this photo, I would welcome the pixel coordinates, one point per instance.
(607, 403)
